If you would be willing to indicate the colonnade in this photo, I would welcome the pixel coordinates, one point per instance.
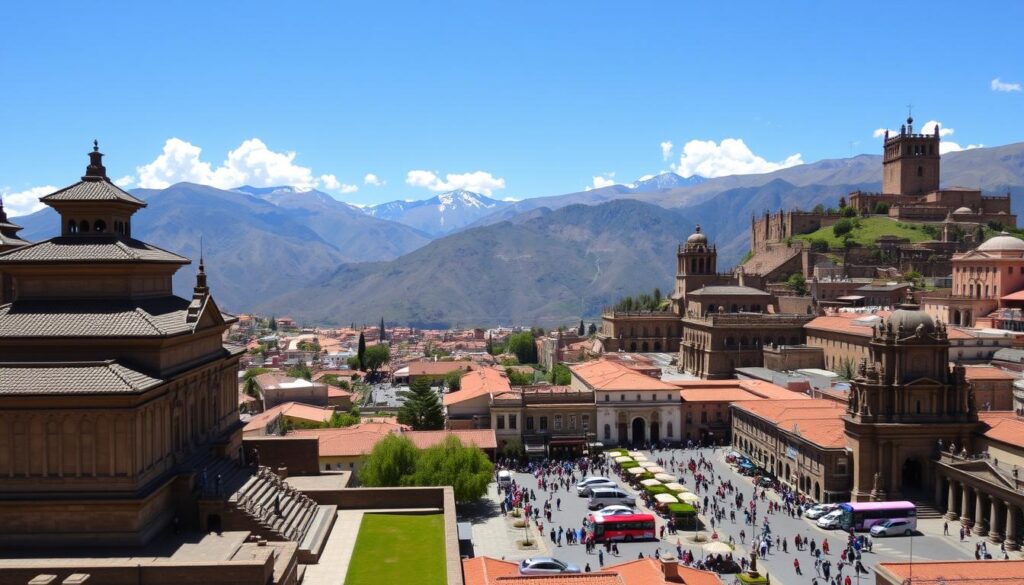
(983, 513)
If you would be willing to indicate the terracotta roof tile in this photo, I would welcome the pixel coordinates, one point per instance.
(1003, 426)
(563, 579)
(648, 572)
(987, 373)
(290, 409)
(482, 438)
(608, 375)
(957, 572)
(482, 570)
(477, 383)
(815, 420)
(428, 368)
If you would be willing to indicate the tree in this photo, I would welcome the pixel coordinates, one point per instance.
(250, 388)
(523, 346)
(453, 380)
(375, 357)
(391, 463)
(422, 410)
(592, 330)
(842, 227)
(273, 323)
(517, 378)
(797, 283)
(382, 334)
(361, 352)
(465, 468)
(848, 212)
(513, 448)
(881, 208)
(300, 371)
(559, 375)
(353, 363)
(581, 330)
(819, 209)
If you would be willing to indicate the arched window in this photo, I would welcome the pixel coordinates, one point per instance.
(72, 227)
(100, 226)
(920, 171)
(607, 432)
(83, 227)
(668, 428)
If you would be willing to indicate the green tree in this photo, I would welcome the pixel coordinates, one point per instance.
(517, 378)
(819, 209)
(422, 410)
(391, 463)
(343, 419)
(361, 352)
(250, 388)
(273, 323)
(523, 346)
(300, 371)
(797, 283)
(592, 330)
(559, 375)
(581, 330)
(375, 357)
(881, 208)
(849, 212)
(513, 448)
(842, 227)
(465, 468)
(453, 380)
(353, 363)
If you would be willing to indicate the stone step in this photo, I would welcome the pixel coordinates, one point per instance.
(312, 543)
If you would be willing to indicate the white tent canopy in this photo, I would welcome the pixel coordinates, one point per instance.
(676, 487)
(664, 477)
(650, 482)
(665, 499)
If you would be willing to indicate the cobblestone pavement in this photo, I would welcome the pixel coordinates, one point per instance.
(492, 536)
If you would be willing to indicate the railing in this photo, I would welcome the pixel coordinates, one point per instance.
(1012, 473)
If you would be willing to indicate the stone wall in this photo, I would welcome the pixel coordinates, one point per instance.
(300, 455)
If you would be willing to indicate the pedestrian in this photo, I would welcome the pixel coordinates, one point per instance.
(796, 565)
(945, 529)
(586, 569)
(600, 557)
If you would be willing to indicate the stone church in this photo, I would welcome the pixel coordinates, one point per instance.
(114, 392)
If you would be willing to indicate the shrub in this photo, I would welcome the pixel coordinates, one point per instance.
(849, 212)
(629, 465)
(682, 510)
(655, 489)
(842, 227)
(819, 245)
(881, 208)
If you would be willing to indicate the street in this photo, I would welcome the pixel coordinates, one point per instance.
(928, 544)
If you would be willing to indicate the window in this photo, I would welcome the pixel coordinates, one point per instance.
(669, 428)
(689, 418)
(704, 417)
(607, 397)
(638, 398)
(529, 423)
(585, 421)
(718, 415)
(608, 432)
(543, 423)
(572, 422)
(501, 421)
(654, 397)
(512, 421)
(841, 466)
(622, 397)
(558, 422)
(100, 226)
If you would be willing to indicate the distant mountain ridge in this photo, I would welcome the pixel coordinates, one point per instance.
(441, 214)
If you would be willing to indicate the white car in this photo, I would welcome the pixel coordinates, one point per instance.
(831, 520)
(615, 511)
(815, 512)
(892, 528)
(583, 487)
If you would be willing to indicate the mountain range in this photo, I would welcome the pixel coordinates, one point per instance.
(461, 257)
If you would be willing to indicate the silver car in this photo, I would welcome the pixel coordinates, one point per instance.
(584, 487)
(545, 566)
(615, 511)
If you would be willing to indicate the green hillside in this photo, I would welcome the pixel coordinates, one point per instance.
(866, 230)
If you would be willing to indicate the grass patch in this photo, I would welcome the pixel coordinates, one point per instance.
(390, 547)
(868, 229)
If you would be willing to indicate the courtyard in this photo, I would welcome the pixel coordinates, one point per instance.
(391, 547)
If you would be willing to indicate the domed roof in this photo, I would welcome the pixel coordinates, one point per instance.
(1002, 243)
(696, 237)
(910, 316)
(964, 209)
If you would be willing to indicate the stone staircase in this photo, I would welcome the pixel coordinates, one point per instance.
(926, 510)
(261, 502)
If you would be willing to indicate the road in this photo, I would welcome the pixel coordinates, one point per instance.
(928, 544)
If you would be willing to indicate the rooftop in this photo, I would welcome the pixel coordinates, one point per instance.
(99, 318)
(91, 248)
(608, 375)
(729, 290)
(992, 572)
(815, 420)
(987, 373)
(106, 377)
(92, 190)
(1002, 426)
(477, 383)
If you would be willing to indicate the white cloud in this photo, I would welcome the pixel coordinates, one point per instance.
(666, 150)
(947, 146)
(603, 180)
(880, 132)
(731, 156)
(929, 128)
(331, 183)
(1000, 85)
(125, 181)
(372, 179)
(252, 163)
(511, 199)
(477, 182)
(24, 202)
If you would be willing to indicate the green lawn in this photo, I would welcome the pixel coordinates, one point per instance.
(869, 231)
(391, 547)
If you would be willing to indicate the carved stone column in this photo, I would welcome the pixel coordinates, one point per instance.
(994, 532)
(951, 513)
(980, 518)
(965, 504)
(1011, 527)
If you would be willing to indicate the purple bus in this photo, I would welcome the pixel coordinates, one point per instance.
(864, 515)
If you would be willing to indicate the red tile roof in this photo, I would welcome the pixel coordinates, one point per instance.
(478, 383)
(1002, 426)
(608, 375)
(843, 323)
(815, 420)
(987, 373)
(955, 572)
(291, 410)
(430, 368)
(648, 571)
(482, 438)
(352, 441)
(483, 570)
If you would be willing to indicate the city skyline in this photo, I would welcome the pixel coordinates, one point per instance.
(372, 104)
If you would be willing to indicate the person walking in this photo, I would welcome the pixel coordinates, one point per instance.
(796, 566)
(600, 557)
(945, 529)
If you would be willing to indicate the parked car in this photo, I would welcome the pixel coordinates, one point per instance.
(585, 488)
(830, 521)
(546, 566)
(616, 510)
(603, 496)
(504, 479)
(815, 512)
(892, 528)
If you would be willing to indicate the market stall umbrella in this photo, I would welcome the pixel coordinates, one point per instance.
(717, 548)
(664, 477)
(623, 459)
(657, 469)
(636, 470)
(636, 454)
(676, 487)
(689, 497)
(650, 482)
(649, 464)
(665, 499)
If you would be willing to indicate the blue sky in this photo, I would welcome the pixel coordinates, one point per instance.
(514, 99)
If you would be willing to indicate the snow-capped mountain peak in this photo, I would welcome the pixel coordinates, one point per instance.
(441, 214)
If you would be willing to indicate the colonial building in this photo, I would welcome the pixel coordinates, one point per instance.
(903, 397)
(112, 389)
(548, 420)
(981, 278)
(632, 408)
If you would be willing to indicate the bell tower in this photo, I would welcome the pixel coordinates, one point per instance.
(910, 162)
(696, 266)
(903, 399)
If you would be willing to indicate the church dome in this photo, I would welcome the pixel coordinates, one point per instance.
(910, 316)
(963, 210)
(1002, 243)
(697, 237)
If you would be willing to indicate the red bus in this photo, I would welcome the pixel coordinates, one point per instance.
(626, 527)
